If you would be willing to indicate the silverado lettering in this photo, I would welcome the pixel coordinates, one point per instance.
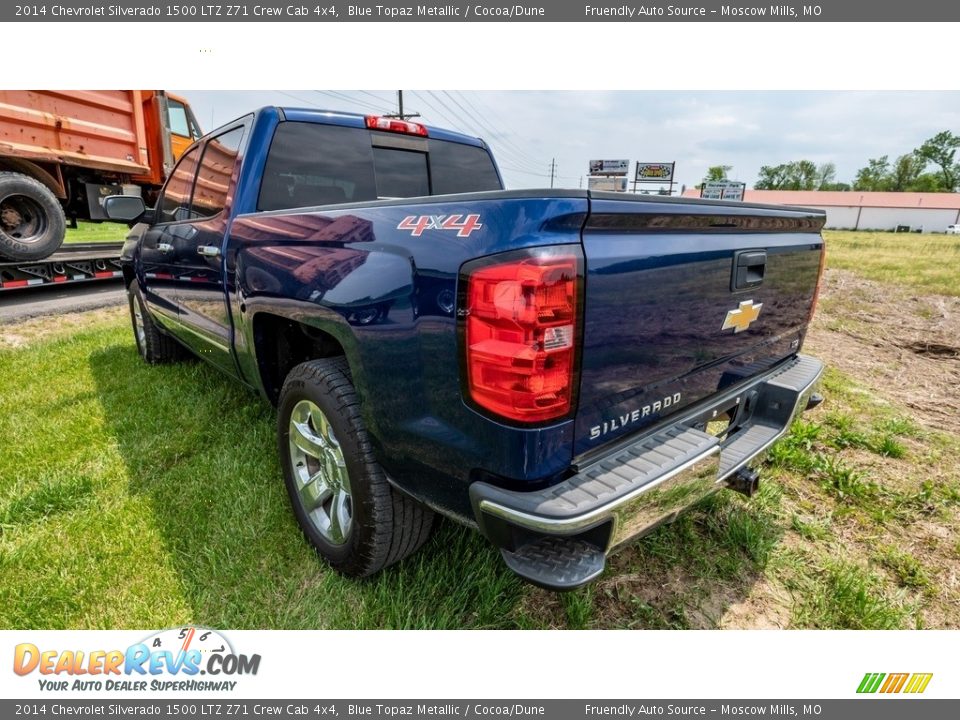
(503, 380)
(635, 415)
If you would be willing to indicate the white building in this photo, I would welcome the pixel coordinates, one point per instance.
(856, 210)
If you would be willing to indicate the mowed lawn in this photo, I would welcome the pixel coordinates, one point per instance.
(927, 263)
(147, 497)
(89, 232)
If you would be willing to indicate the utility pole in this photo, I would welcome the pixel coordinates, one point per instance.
(400, 115)
(553, 170)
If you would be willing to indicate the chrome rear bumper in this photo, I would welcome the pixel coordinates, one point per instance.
(559, 537)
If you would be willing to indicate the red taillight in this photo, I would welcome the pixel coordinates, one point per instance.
(816, 293)
(375, 122)
(521, 336)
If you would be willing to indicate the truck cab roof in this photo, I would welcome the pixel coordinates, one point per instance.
(357, 120)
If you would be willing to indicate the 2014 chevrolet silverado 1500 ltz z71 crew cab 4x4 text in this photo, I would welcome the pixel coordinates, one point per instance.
(561, 369)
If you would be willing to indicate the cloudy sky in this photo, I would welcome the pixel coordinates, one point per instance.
(696, 129)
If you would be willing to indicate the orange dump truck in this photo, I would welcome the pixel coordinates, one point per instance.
(61, 153)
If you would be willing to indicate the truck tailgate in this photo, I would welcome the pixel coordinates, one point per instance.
(685, 298)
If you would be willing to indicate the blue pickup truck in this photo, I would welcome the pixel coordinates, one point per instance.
(563, 370)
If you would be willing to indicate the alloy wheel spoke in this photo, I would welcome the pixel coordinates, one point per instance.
(339, 517)
(315, 492)
(306, 440)
(320, 470)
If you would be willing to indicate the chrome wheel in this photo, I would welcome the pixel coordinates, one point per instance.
(138, 328)
(323, 485)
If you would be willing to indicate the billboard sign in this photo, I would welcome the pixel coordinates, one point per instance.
(607, 184)
(654, 172)
(609, 167)
(723, 190)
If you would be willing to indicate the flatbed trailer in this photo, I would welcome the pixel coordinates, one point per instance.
(74, 263)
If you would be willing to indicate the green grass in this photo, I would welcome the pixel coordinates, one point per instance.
(889, 446)
(844, 596)
(907, 568)
(123, 505)
(88, 232)
(926, 263)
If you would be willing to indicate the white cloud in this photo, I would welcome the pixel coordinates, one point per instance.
(745, 129)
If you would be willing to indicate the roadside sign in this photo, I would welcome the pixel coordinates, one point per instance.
(723, 190)
(609, 167)
(654, 172)
(607, 184)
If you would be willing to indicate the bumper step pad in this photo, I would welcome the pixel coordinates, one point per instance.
(557, 563)
(552, 537)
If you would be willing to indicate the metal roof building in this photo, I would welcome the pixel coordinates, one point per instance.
(856, 210)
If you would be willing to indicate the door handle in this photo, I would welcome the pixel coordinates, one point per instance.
(749, 267)
(164, 247)
(208, 250)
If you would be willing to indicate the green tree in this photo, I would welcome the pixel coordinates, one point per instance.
(803, 175)
(927, 182)
(874, 176)
(717, 172)
(795, 175)
(826, 176)
(941, 150)
(772, 177)
(839, 186)
(904, 172)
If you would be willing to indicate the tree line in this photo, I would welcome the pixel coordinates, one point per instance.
(932, 167)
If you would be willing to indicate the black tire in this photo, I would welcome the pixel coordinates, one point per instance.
(154, 347)
(32, 225)
(386, 526)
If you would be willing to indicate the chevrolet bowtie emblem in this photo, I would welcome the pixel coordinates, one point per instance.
(741, 318)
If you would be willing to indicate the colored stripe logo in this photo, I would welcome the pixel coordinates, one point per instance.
(913, 683)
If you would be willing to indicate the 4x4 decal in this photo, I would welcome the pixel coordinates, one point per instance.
(416, 224)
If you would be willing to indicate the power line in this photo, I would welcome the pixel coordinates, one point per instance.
(454, 124)
(503, 150)
(298, 99)
(374, 96)
(352, 100)
(504, 140)
(505, 146)
(400, 114)
(525, 172)
(489, 132)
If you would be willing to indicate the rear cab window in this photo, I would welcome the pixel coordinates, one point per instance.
(315, 164)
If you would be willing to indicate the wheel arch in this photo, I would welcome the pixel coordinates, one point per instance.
(281, 343)
(54, 183)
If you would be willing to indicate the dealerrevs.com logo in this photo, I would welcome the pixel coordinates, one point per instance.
(168, 660)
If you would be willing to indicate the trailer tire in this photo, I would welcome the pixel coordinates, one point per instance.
(153, 346)
(32, 225)
(323, 444)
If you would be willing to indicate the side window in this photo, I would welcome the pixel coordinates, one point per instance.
(213, 176)
(177, 118)
(176, 193)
